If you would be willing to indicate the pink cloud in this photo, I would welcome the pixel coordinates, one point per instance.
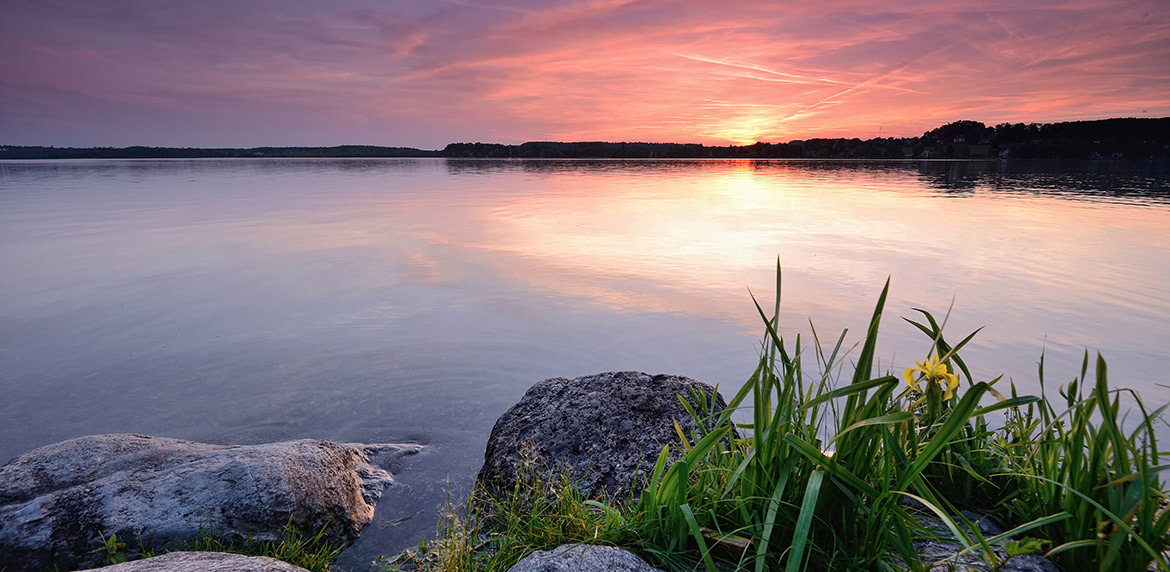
(424, 73)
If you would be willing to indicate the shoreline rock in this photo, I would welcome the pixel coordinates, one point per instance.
(582, 557)
(942, 552)
(203, 562)
(606, 430)
(56, 502)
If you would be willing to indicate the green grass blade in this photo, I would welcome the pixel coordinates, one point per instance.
(1118, 521)
(677, 475)
(1128, 478)
(706, 444)
(1042, 521)
(743, 393)
(945, 517)
(804, 521)
(865, 359)
(889, 419)
(770, 517)
(776, 312)
(945, 350)
(733, 480)
(851, 389)
(1071, 546)
(1006, 404)
(955, 423)
(830, 466)
(697, 533)
(660, 466)
(771, 328)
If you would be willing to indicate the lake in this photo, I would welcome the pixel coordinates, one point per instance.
(390, 300)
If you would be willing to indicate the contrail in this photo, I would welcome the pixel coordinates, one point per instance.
(865, 83)
(796, 78)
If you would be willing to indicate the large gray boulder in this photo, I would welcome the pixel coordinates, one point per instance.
(58, 501)
(204, 562)
(606, 430)
(582, 558)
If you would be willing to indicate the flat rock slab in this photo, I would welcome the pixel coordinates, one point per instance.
(606, 430)
(204, 562)
(582, 558)
(58, 501)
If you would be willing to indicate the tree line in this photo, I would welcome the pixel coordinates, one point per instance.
(1102, 139)
(139, 152)
(1126, 138)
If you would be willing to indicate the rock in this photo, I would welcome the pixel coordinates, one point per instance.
(943, 551)
(582, 558)
(1153, 567)
(606, 428)
(204, 562)
(58, 501)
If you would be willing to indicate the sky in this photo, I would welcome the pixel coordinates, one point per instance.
(424, 73)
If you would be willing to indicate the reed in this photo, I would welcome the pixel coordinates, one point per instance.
(1080, 462)
(835, 468)
(311, 552)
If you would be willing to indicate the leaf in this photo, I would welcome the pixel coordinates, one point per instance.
(697, 533)
(773, 508)
(804, 520)
(1024, 546)
(955, 423)
(732, 540)
(851, 389)
(1005, 404)
(889, 419)
(831, 466)
(865, 359)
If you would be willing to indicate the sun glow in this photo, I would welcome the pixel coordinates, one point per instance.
(739, 72)
(747, 130)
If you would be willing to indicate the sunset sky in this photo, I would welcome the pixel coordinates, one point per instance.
(423, 73)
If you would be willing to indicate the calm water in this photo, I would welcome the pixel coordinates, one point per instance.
(245, 301)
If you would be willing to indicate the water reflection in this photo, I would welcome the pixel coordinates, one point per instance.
(387, 300)
(1109, 181)
(686, 237)
(1133, 182)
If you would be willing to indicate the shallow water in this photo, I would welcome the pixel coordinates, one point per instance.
(247, 301)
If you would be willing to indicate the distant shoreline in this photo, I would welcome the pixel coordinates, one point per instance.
(1126, 138)
(616, 159)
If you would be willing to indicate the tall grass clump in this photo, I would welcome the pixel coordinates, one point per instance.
(490, 532)
(313, 553)
(1080, 462)
(836, 467)
(834, 470)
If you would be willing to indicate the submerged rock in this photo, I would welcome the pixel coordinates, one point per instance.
(204, 562)
(942, 552)
(607, 430)
(57, 502)
(581, 558)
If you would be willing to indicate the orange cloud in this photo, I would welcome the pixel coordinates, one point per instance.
(428, 73)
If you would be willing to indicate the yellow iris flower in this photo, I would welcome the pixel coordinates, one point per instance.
(933, 371)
